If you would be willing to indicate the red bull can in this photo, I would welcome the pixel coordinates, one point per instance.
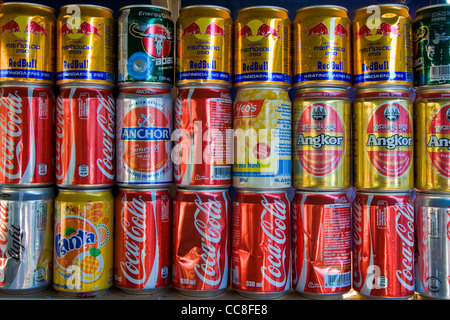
(27, 42)
(204, 44)
(382, 49)
(262, 50)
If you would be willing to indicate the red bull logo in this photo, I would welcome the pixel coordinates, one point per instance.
(203, 28)
(256, 29)
(383, 29)
(75, 31)
(327, 28)
(20, 27)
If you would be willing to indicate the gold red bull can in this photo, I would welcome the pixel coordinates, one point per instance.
(27, 42)
(262, 50)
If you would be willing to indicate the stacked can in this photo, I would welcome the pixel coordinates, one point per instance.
(432, 162)
(27, 75)
(383, 212)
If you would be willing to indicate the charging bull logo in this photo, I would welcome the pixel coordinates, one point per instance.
(21, 27)
(203, 29)
(381, 29)
(255, 30)
(83, 29)
(328, 29)
(156, 39)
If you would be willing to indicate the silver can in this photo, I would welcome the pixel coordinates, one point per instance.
(26, 239)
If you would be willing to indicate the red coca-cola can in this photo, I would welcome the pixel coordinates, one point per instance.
(261, 244)
(201, 242)
(85, 136)
(321, 244)
(27, 135)
(143, 240)
(202, 154)
(383, 245)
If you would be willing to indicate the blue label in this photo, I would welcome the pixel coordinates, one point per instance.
(205, 75)
(145, 134)
(262, 76)
(323, 76)
(140, 65)
(383, 76)
(85, 75)
(27, 74)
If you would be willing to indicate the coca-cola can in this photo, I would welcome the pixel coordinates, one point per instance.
(383, 245)
(203, 133)
(321, 244)
(143, 240)
(27, 131)
(261, 244)
(85, 136)
(201, 242)
(26, 239)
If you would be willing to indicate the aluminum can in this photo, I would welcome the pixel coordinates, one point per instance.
(142, 240)
(322, 138)
(261, 244)
(383, 245)
(321, 46)
(85, 137)
(86, 45)
(146, 35)
(201, 242)
(27, 129)
(383, 139)
(382, 52)
(262, 128)
(27, 43)
(143, 135)
(26, 239)
(204, 45)
(262, 49)
(321, 244)
(432, 266)
(83, 246)
(203, 137)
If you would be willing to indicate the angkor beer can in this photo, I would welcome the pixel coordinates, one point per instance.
(143, 135)
(201, 242)
(262, 48)
(321, 244)
(383, 245)
(27, 42)
(432, 266)
(204, 45)
(26, 239)
(383, 139)
(85, 136)
(27, 129)
(203, 137)
(321, 50)
(322, 138)
(382, 53)
(142, 240)
(261, 244)
(146, 35)
(86, 45)
(83, 245)
(262, 128)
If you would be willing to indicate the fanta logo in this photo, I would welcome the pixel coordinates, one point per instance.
(156, 39)
(202, 29)
(256, 29)
(75, 241)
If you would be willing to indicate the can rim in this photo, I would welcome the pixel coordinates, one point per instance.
(322, 87)
(86, 85)
(205, 6)
(264, 7)
(255, 190)
(138, 84)
(381, 87)
(186, 189)
(31, 4)
(15, 189)
(145, 6)
(385, 192)
(385, 5)
(433, 6)
(258, 86)
(65, 189)
(322, 192)
(87, 5)
(200, 85)
(143, 189)
(330, 6)
(27, 84)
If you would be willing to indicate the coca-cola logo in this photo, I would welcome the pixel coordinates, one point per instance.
(106, 121)
(59, 169)
(4, 218)
(404, 225)
(357, 242)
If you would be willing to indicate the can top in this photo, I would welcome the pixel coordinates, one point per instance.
(327, 6)
(70, 190)
(378, 91)
(395, 5)
(263, 7)
(129, 85)
(203, 85)
(145, 6)
(143, 189)
(385, 193)
(27, 84)
(205, 6)
(255, 86)
(27, 4)
(253, 190)
(441, 91)
(88, 6)
(327, 192)
(86, 85)
(445, 6)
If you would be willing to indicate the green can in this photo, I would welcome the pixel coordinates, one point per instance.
(146, 44)
(432, 45)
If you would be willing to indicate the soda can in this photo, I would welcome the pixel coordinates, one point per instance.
(201, 242)
(262, 48)
(321, 244)
(322, 138)
(83, 246)
(27, 129)
(85, 136)
(143, 135)
(262, 128)
(145, 34)
(204, 45)
(432, 266)
(383, 139)
(26, 239)
(383, 245)
(321, 46)
(86, 45)
(382, 53)
(27, 43)
(203, 137)
(143, 242)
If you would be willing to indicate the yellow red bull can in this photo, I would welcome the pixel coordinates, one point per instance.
(382, 45)
(262, 46)
(86, 45)
(321, 46)
(27, 42)
(204, 45)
